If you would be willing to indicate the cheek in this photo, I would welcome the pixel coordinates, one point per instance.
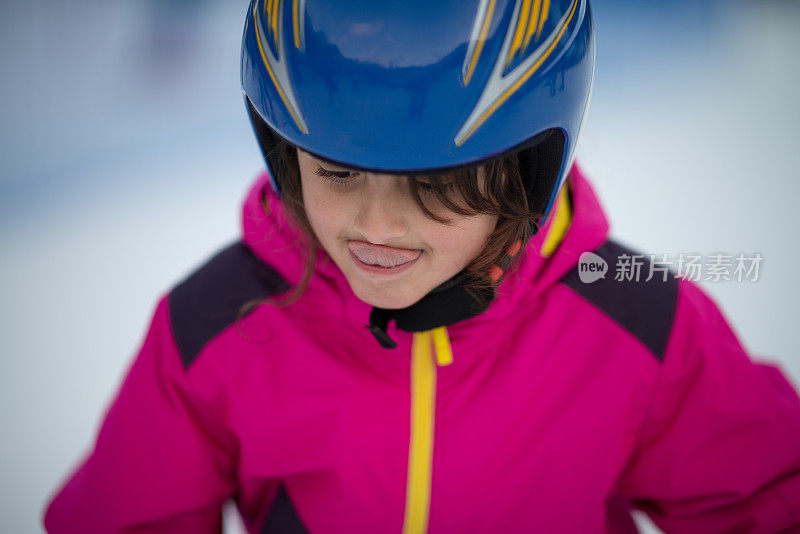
(458, 244)
(324, 212)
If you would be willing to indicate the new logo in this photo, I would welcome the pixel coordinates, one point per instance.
(591, 267)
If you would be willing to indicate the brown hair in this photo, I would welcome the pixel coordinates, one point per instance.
(504, 197)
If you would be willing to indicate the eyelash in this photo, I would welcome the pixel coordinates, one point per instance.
(336, 179)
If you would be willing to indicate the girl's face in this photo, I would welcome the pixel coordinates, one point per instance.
(370, 225)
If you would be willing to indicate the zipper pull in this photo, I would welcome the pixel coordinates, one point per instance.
(444, 353)
(383, 338)
(378, 322)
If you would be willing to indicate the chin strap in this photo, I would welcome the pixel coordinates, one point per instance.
(446, 304)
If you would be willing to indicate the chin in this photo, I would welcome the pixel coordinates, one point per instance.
(386, 301)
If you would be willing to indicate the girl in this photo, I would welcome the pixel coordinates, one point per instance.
(420, 182)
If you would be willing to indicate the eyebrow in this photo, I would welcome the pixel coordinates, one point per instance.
(332, 166)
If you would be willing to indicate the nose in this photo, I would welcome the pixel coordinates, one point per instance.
(381, 215)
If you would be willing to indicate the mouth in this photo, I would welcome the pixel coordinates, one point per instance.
(381, 259)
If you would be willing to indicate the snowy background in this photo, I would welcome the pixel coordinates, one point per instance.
(125, 152)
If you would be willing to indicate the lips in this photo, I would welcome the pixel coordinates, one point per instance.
(381, 255)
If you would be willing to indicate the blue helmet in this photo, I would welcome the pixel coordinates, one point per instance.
(414, 87)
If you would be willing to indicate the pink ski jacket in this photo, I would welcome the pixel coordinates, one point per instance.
(557, 410)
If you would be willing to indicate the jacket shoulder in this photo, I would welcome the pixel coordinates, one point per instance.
(209, 300)
(636, 293)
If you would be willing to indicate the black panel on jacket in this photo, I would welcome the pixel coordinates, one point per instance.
(645, 308)
(283, 518)
(208, 300)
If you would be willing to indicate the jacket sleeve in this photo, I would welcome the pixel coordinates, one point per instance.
(159, 464)
(719, 448)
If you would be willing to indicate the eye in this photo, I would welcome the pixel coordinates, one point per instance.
(336, 178)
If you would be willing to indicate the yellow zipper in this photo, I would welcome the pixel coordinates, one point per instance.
(423, 397)
(561, 218)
